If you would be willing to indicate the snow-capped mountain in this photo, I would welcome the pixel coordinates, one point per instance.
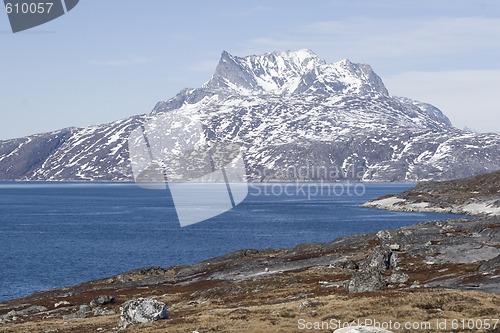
(296, 116)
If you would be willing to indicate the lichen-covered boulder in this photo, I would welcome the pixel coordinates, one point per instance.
(366, 281)
(142, 310)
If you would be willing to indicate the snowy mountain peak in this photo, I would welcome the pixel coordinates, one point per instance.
(292, 72)
(271, 73)
(288, 111)
(345, 62)
(343, 77)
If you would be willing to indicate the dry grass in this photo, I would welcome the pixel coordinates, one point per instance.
(267, 305)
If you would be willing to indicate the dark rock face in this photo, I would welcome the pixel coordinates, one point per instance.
(290, 111)
(380, 260)
(19, 158)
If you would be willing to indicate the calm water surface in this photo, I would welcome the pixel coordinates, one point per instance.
(55, 235)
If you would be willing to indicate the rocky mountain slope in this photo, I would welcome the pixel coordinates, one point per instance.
(479, 195)
(290, 111)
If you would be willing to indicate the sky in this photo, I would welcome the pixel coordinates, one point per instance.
(109, 59)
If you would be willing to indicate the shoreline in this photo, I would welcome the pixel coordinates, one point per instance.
(476, 196)
(394, 203)
(447, 258)
(434, 268)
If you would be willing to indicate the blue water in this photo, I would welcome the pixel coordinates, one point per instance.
(55, 235)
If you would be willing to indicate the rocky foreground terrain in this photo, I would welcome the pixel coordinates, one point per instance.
(424, 274)
(446, 270)
(478, 195)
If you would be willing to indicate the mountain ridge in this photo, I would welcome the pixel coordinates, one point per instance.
(287, 110)
(290, 72)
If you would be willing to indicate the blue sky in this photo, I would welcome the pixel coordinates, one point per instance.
(110, 59)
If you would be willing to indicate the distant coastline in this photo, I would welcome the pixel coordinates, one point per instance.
(479, 196)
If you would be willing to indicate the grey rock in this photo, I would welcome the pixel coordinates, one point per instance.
(81, 313)
(380, 259)
(395, 247)
(102, 300)
(15, 314)
(154, 272)
(415, 285)
(490, 265)
(85, 308)
(298, 296)
(61, 303)
(142, 310)
(28, 311)
(393, 260)
(104, 312)
(75, 315)
(309, 303)
(31, 310)
(337, 284)
(465, 254)
(398, 278)
(347, 264)
(366, 280)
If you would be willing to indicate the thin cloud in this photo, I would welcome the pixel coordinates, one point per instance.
(122, 62)
(399, 37)
(370, 40)
(424, 8)
(467, 97)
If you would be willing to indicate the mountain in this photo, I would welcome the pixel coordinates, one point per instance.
(296, 117)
